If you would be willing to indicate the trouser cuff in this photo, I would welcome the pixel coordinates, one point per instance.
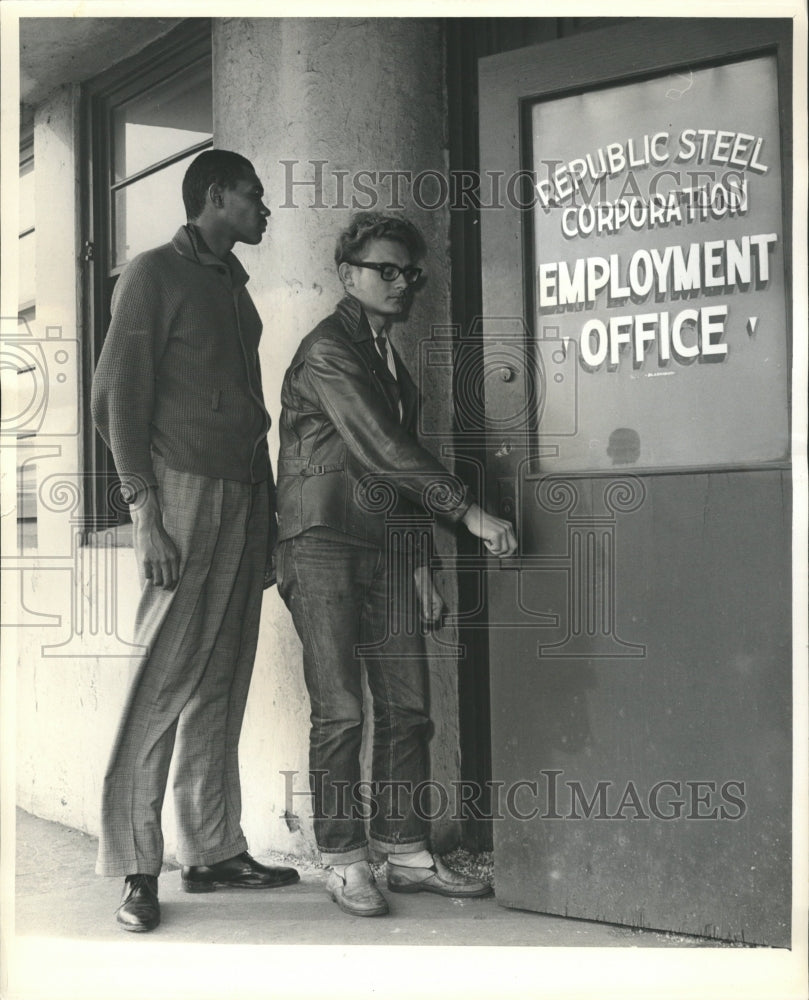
(214, 855)
(400, 847)
(116, 869)
(344, 857)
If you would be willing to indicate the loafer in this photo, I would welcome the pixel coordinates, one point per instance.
(357, 895)
(437, 878)
(241, 872)
(139, 910)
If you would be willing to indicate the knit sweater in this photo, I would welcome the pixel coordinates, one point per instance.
(179, 370)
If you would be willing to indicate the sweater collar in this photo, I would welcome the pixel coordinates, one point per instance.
(189, 243)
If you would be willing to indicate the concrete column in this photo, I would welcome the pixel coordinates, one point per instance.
(333, 97)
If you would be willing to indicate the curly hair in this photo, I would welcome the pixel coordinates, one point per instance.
(367, 226)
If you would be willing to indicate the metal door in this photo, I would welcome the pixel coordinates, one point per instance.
(636, 383)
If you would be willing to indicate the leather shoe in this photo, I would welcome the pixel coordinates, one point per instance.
(356, 892)
(437, 878)
(241, 872)
(139, 909)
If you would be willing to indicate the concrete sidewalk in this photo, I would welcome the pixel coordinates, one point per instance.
(59, 896)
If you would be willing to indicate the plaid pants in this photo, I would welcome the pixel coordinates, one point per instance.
(189, 691)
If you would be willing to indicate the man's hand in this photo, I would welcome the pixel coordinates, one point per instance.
(498, 535)
(432, 603)
(161, 560)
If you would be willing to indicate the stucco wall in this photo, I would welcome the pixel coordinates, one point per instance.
(359, 94)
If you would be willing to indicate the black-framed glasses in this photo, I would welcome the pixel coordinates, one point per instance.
(390, 272)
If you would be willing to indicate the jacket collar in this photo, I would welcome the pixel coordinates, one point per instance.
(353, 319)
(189, 243)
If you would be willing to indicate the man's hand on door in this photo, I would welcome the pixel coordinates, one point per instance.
(498, 535)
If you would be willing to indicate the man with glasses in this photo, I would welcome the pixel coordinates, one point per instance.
(348, 450)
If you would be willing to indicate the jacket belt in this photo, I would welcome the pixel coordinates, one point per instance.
(301, 467)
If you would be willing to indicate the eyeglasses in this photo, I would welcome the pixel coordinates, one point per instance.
(390, 272)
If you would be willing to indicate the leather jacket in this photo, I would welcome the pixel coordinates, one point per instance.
(347, 459)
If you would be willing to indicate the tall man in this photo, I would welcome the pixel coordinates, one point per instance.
(349, 413)
(177, 397)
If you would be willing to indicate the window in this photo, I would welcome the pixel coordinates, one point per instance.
(26, 311)
(154, 135)
(147, 120)
(27, 243)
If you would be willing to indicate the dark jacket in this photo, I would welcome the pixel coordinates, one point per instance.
(339, 423)
(179, 369)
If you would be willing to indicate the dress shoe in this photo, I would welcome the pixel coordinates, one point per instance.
(356, 892)
(241, 872)
(437, 878)
(139, 909)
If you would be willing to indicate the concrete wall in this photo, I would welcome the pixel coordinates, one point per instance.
(359, 94)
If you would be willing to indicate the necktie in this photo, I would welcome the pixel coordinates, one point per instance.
(382, 347)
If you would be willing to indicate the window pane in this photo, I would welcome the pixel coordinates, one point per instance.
(26, 195)
(28, 274)
(148, 212)
(166, 119)
(27, 506)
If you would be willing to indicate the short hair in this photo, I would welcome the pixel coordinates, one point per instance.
(213, 166)
(367, 226)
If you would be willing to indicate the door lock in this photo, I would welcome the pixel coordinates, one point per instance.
(506, 498)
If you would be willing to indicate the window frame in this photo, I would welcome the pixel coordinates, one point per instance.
(184, 47)
(27, 521)
(26, 157)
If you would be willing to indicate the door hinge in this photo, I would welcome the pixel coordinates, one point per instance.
(88, 251)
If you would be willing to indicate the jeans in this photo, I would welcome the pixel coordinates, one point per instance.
(341, 597)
